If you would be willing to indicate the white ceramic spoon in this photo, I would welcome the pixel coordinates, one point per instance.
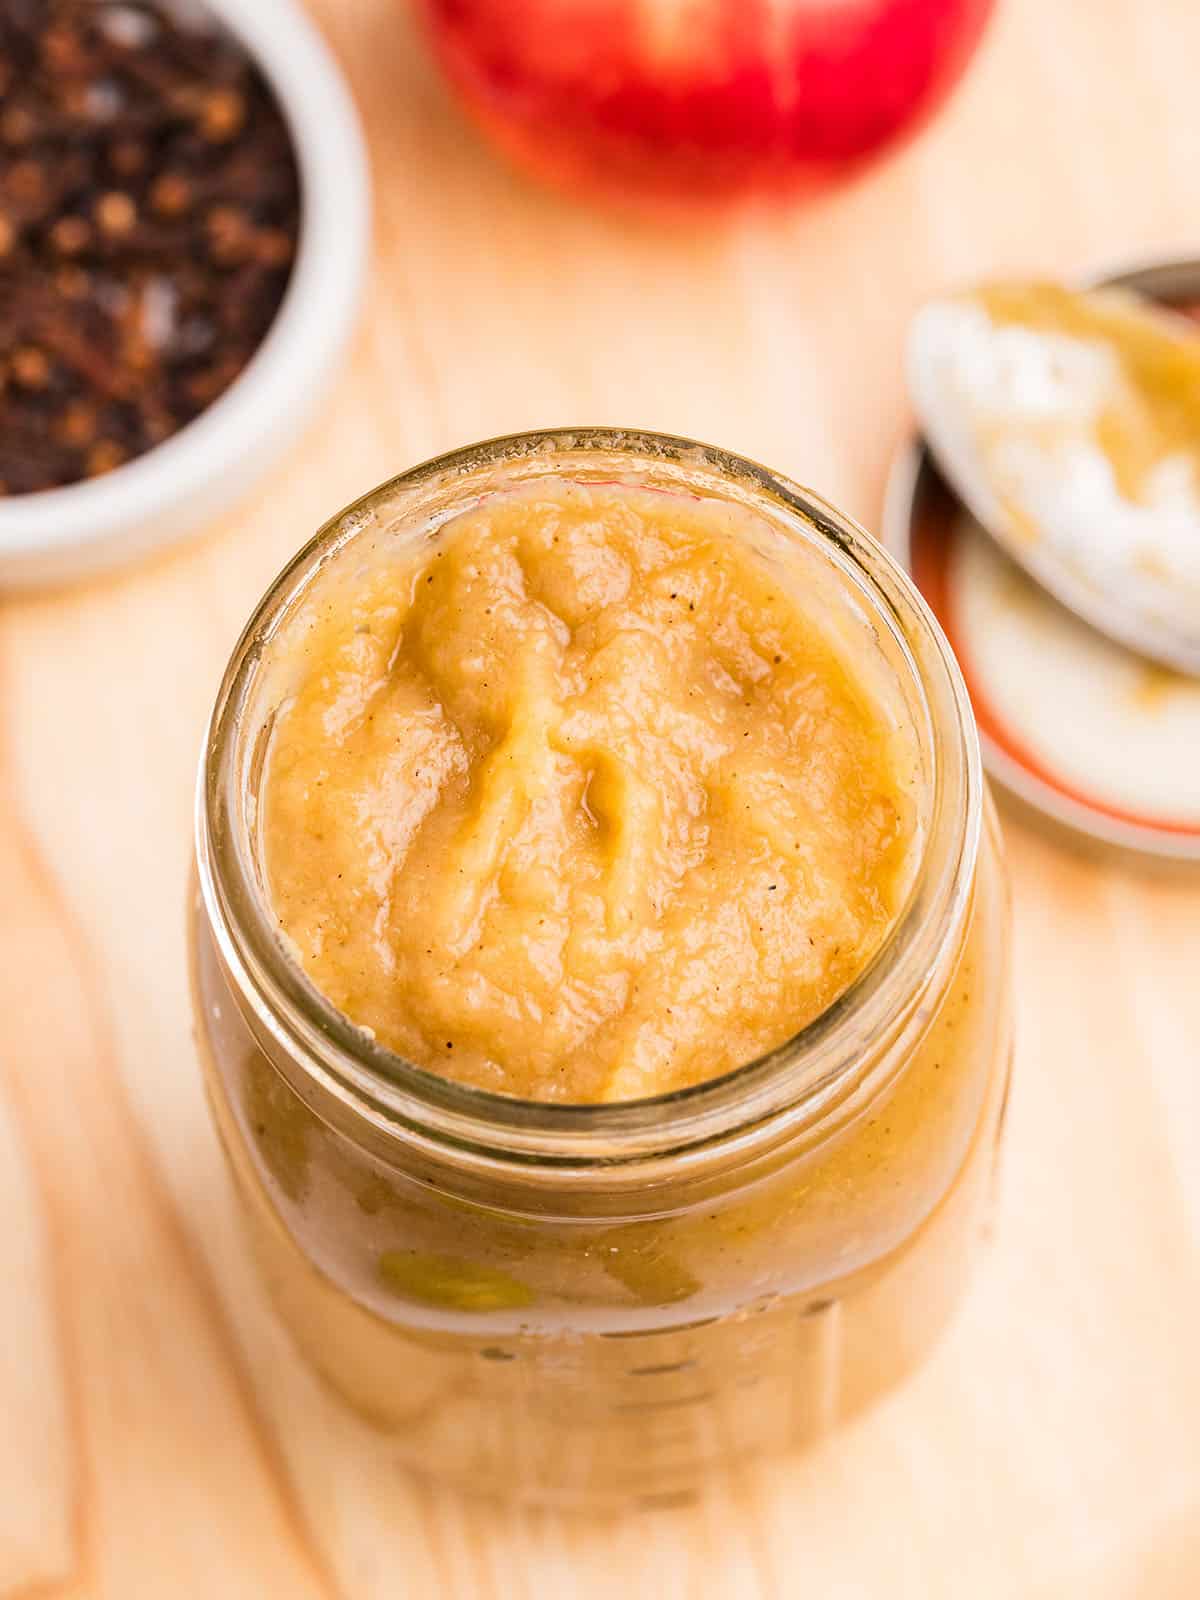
(1023, 391)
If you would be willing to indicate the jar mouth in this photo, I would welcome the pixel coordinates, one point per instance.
(799, 1079)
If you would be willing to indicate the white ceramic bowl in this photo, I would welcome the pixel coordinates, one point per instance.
(160, 497)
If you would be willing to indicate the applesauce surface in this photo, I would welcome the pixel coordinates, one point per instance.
(578, 801)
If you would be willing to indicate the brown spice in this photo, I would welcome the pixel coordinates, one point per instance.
(149, 211)
(72, 283)
(103, 456)
(230, 234)
(17, 125)
(128, 157)
(77, 424)
(70, 235)
(116, 212)
(222, 115)
(30, 367)
(273, 247)
(171, 195)
(25, 182)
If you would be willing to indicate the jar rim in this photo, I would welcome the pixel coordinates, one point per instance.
(797, 1081)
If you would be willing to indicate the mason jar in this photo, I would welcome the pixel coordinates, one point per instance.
(596, 1304)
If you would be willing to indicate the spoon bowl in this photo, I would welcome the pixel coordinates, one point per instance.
(1068, 422)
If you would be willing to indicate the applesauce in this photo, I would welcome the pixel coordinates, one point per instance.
(579, 802)
(580, 1266)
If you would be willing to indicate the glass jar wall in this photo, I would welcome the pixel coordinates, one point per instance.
(595, 1304)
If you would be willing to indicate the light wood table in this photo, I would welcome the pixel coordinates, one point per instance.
(157, 1437)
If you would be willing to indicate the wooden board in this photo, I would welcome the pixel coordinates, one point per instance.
(157, 1437)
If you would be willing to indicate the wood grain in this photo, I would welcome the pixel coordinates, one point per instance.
(157, 1437)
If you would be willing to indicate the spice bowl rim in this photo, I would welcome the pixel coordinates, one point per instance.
(168, 493)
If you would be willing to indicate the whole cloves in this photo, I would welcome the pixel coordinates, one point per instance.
(149, 211)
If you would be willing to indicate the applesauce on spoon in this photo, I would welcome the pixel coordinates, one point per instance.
(568, 1160)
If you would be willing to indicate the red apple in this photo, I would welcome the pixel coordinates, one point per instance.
(703, 98)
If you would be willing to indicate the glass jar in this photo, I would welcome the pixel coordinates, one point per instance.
(594, 1304)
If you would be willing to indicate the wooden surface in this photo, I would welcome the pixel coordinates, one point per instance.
(157, 1437)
